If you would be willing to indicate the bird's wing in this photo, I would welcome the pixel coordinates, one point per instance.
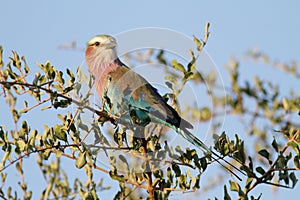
(126, 84)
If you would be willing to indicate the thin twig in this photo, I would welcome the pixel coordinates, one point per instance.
(100, 113)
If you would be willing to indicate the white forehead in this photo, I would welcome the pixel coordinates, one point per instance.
(101, 39)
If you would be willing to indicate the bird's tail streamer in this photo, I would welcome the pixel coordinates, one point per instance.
(198, 143)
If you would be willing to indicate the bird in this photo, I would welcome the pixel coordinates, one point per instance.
(127, 95)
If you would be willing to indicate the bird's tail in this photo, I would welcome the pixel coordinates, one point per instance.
(198, 143)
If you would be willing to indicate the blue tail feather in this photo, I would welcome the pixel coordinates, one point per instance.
(198, 143)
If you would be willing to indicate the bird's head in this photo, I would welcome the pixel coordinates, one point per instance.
(101, 49)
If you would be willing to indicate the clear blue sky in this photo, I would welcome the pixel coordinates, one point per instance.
(36, 28)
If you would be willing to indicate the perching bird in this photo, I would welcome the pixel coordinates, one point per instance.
(129, 96)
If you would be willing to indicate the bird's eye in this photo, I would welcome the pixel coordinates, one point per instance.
(97, 44)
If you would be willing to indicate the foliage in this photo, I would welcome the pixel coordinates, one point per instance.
(160, 169)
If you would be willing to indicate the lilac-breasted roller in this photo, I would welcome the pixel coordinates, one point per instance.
(129, 96)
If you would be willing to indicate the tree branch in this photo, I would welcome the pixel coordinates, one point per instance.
(78, 103)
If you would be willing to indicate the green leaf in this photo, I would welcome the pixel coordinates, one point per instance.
(248, 183)
(172, 79)
(58, 87)
(36, 78)
(72, 77)
(260, 170)
(68, 89)
(192, 55)
(60, 132)
(160, 57)
(250, 163)
(81, 160)
(206, 31)
(46, 107)
(24, 130)
(170, 175)
(49, 70)
(297, 161)
(26, 67)
(203, 162)
(285, 104)
(156, 181)
(198, 43)
(169, 85)
(59, 78)
(295, 146)
(234, 186)
(34, 134)
(62, 117)
(192, 66)
(188, 172)
(177, 66)
(274, 144)
(254, 198)
(176, 169)
(293, 179)
(264, 153)
(6, 156)
(182, 182)
(3, 177)
(21, 144)
(1, 61)
(12, 75)
(226, 195)
(205, 114)
(16, 60)
(42, 79)
(64, 103)
(25, 105)
(116, 176)
(46, 154)
(188, 75)
(284, 175)
(196, 182)
(19, 167)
